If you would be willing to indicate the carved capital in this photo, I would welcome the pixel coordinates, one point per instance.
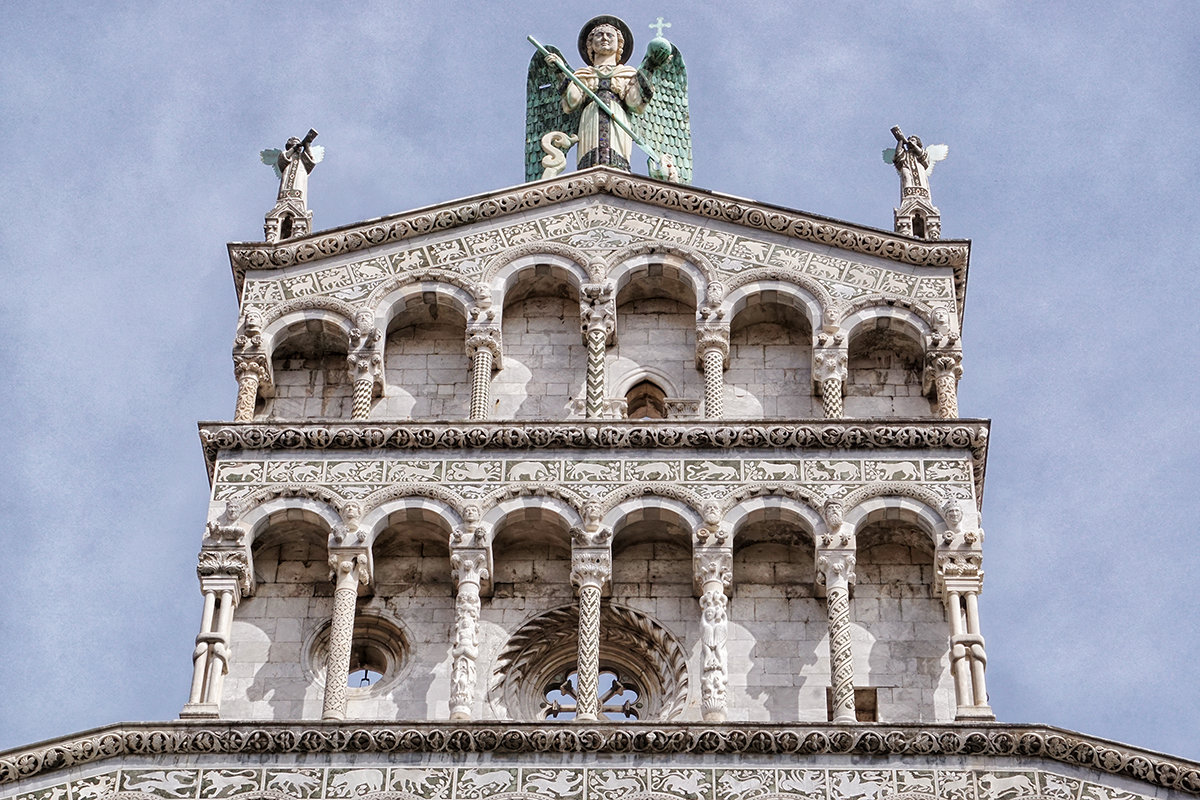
(590, 567)
(597, 311)
(836, 567)
(960, 572)
(712, 566)
(350, 565)
(251, 364)
(485, 337)
(469, 566)
(229, 563)
(712, 338)
(947, 361)
(829, 362)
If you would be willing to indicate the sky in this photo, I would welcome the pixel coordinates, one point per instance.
(133, 132)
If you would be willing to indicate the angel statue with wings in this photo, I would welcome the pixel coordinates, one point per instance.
(290, 217)
(916, 216)
(608, 106)
(914, 162)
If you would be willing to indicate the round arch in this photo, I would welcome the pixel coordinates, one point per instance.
(399, 295)
(774, 291)
(907, 322)
(267, 513)
(415, 507)
(505, 271)
(774, 507)
(648, 506)
(895, 502)
(333, 317)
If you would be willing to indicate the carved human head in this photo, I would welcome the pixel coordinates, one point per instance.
(604, 39)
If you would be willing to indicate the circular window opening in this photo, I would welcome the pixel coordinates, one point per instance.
(378, 652)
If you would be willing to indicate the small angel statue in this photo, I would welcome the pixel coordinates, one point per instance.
(290, 217)
(914, 162)
(916, 216)
(608, 106)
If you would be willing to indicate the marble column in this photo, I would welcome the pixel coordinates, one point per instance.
(483, 346)
(943, 369)
(348, 568)
(250, 372)
(597, 320)
(591, 568)
(712, 356)
(714, 574)
(469, 571)
(836, 572)
(224, 579)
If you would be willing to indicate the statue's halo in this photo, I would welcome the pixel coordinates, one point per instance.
(616, 22)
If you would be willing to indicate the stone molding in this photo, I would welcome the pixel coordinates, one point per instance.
(811, 228)
(967, 434)
(207, 737)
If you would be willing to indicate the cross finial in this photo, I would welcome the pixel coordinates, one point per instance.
(659, 26)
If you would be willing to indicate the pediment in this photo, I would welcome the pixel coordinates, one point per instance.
(595, 218)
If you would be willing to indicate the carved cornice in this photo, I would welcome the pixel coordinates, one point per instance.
(960, 434)
(193, 739)
(593, 182)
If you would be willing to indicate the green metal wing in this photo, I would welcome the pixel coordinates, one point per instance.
(543, 110)
(665, 123)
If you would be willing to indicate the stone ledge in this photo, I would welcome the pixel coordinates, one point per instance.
(191, 738)
(963, 434)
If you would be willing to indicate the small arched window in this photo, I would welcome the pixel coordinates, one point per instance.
(646, 401)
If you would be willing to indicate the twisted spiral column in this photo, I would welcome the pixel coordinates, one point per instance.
(364, 392)
(341, 635)
(838, 571)
(594, 392)
(481, 381)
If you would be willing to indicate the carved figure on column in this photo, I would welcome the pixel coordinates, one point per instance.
(607, 106)
(290, 217)
(916, 216)
(714, 571)
(251, 366)
(365, 361)
(470, 569)
(597, 319)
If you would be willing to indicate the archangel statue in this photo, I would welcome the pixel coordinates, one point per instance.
(916, 216)
(290, 217)
(607, 106)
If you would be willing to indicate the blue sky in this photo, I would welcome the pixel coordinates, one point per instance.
(133, 134)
